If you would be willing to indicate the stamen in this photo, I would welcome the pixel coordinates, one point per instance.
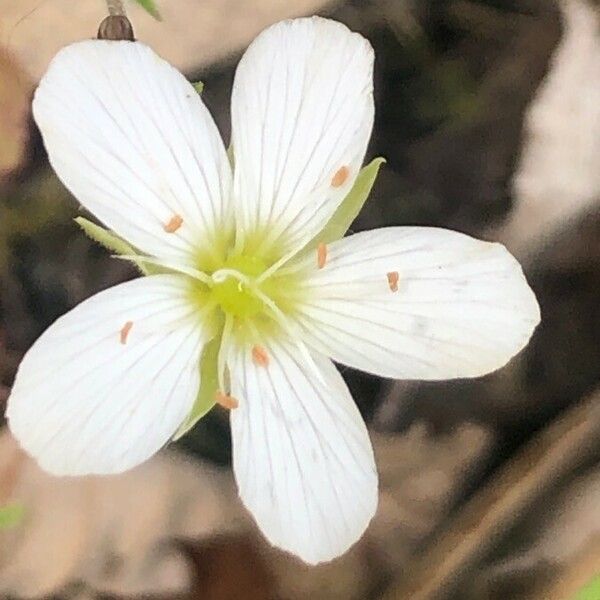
(226, 401)
(277, 265)
(124, 333)
(393, 278)
(260, 356)
(340, 177)
(321, 255)
(293, 333)
(174, 224)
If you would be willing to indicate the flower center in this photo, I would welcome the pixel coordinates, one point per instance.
(242, 299)
(233, 294)
(239, 289)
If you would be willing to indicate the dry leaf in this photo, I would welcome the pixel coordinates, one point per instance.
(565, 551)
(482, 522)
(15, 91)
(558, 177)
(112, 533)
(204, 30)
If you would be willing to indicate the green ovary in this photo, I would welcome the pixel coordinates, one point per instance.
(231, 297)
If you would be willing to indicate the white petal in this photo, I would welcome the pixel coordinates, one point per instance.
(302, 108)
(301, 454)
(84, 402)
(462, 309)
(132, 140)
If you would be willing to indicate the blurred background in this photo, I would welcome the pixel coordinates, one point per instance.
(488, 112)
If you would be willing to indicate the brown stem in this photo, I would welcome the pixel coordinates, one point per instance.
(115, 8)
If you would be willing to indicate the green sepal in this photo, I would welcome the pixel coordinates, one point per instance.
(198, 86)
(112, 242)
(209, 382)
(150, 7)
(109, 240)
(11, 516)
(348, 210)
(231, 156)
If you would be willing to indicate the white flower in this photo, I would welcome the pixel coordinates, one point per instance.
(251, 303)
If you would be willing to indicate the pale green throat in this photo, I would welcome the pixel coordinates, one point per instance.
(235, 297)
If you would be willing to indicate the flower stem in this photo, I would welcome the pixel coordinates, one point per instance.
(115, 8)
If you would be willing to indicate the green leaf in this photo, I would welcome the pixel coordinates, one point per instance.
(150, 7)
(11, 516)
(198, 86)
(591, 591)
(112, 242)
(209, 382)
(342, 218)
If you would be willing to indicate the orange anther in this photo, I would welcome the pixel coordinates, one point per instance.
(226, 401)
(125, 331)
(393, 278)
(321, 255)
(260, 356)
(174, 224)
(340, 177)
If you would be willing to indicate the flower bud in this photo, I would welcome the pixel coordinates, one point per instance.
(116, 27)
